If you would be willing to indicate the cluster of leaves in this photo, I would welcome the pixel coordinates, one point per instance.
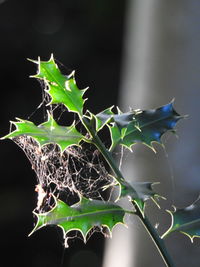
(126, 129)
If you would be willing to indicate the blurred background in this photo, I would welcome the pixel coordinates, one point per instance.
(132, 53)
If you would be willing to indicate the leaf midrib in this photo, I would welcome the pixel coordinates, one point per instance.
(46, 134)
(70, 218)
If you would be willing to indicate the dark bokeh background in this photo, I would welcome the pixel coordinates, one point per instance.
(135, 53)
(83, 35)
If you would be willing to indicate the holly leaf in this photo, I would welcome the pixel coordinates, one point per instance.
(146, 126)
(82, 216)
(107, 117)
(61, 88)
(47, 133)
(140, 192)
(186, 221)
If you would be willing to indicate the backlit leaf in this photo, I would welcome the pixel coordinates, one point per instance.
(82, 216)
(61, 88)
(47, 132)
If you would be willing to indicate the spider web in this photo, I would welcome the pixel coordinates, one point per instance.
(76, 172)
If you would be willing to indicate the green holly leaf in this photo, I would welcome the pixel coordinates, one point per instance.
(146, 126)
(47, 132)
(82, 216)
(107, 117)
(140, 192)
(103, 118)
(186, 221)
(61, 88)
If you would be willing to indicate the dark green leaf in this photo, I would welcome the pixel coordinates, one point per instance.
(140, 192)
(47, 132)
(146, 126)
(82, 216)
(107, 116)
(103, 118)
(185, 221)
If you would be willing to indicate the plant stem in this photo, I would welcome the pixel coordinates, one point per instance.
(159, 243)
